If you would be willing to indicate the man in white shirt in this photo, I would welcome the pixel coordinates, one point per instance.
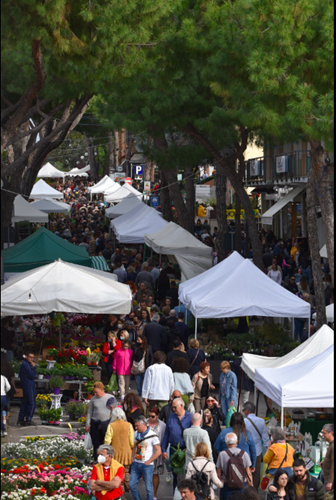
(195, 435)
(256, 426)
(158, 383)
(146, 450)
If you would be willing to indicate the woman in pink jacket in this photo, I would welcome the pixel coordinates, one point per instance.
(122, 364)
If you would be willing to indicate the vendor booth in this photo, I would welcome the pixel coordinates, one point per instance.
(114, 196)
(49, 171)
(191, 254)
(103, 185)
(42, 190)
(308, 384)
(40, 248)
(122, 208)
(24, 211)
(132, 227)
(51, 206)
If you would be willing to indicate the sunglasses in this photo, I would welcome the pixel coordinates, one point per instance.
(152, 416)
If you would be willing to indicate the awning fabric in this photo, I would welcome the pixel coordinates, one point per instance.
(24, 211)
(51, 206)
(247, 291)
(103, 185)
(99, 262)
(191, 254)
(329, 313)
(316, 344)
(195, 288)
(121, 194)
(42, 190)
(81, 172)
(132, 226)
(309, 384)
(40, 248)
(323, 252)
(64, 287)
(123, 207)
(49, 171)
(267, 217)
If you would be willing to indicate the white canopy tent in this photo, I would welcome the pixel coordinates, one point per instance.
(51, 206)
(103, 185)
(329, 313)
(49, 171)
(309, 384)
(112, 189)
(191, 254)
(246, 292)
(24, 211)
(316, 344)
(123, 207)
(323, 252)
(196, 286)
(64, 287)
(81, 172)
(121, 194)
(132, 227)
(42, 190)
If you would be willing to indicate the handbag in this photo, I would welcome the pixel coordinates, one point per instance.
(113, 384)
(195, 358)
(138, 367)
(267, 479)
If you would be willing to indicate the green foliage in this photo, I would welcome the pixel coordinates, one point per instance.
(16, 365)
(177, 460)
(56, 381)
(75, 408)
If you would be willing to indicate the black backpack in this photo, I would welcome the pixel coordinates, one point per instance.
(201, 479)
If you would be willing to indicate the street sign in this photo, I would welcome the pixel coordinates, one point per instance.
(147, 185)
(138, 169)
(154, 201)
(119, 177)
(120, 168)
(111, 172)
(128, 180)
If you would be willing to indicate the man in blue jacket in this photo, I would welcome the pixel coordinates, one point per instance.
(177, 422)
(27, 377)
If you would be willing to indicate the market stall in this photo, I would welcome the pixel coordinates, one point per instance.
(132, 226)
(42, 190)
(51, 172)
(113, 196)
(24, 211)
(308, 384)
(51, 206)
(103, 185)
(122, 208)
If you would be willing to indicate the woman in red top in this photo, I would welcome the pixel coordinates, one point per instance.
(107, 475)
(110, 347)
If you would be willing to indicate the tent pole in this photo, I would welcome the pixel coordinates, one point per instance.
(60, 336)
(257, 403)
(293, 327)
(160, 261)
(255, 395)
(282, 417)
(240, 389)
(308, 327)
(195, 327)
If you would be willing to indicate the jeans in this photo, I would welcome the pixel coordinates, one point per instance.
(226, 492)
(109, 370)
(3, 404)
(146, 471)
(289, 471)
(307, 273)
(28, 404)
(299, 324)
(139, 381)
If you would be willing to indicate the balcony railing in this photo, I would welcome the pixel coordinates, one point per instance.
(285, 167)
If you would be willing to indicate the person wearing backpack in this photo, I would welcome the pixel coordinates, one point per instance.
(233, 467)
(203, 472)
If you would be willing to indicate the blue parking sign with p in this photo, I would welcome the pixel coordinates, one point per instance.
(138, 169)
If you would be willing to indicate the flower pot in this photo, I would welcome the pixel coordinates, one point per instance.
(44, 422)
(89, 396)
(57, 422)
(51, 422)
(40, 377)
(66, 377)
(16, 375)
(47, 377)
(51, 493)
(57, 390)
(72, 378)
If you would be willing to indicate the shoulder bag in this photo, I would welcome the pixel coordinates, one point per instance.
(267, 478)
(195, 358)
(138, 367)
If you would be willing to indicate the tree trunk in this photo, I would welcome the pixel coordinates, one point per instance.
(93, 170)
(165, 198)
(238, 233)
(312, 203)
(220, 182)
(184, 217)
(110, 147)
(234, 177)
(325, 199)
(190, 196)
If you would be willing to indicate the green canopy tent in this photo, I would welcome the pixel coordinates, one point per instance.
(41, 248)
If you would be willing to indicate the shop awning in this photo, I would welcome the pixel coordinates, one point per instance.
(267, 217)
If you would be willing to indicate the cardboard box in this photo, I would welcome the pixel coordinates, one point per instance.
(19, 393)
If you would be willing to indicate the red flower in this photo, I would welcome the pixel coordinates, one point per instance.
(57, 466)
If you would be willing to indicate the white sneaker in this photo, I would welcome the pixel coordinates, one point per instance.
(4, 433)
(169, 477)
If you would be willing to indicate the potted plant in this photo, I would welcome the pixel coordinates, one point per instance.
(52, 353)
(56, 383)
(16, 365)
(75, 409)
(83, 372)
(43, 414)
